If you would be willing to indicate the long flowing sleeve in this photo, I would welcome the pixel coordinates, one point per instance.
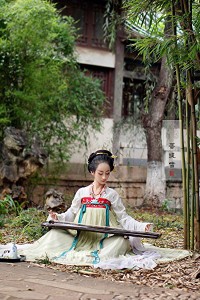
(127, 222)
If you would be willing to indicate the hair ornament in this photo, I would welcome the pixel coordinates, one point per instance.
(104, 153)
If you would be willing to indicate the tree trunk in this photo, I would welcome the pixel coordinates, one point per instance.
(152, 123)
(155, 181)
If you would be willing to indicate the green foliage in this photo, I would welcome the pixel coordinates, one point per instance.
(8, 206)
(30, 223)
(111, 21)
(26, 227)
(165, 205)
(153, 16)
(42, 88)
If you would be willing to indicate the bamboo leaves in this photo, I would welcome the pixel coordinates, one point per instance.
(181, 48)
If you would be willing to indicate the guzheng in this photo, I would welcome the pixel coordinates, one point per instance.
(101, 229)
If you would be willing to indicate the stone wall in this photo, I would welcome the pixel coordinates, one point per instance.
(129, 182)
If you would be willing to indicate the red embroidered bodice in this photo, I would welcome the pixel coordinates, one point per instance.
(97, 203)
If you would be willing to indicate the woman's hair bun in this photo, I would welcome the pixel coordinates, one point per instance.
(92, 155)
(100, 156)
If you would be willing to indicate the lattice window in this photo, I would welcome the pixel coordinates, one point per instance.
(97, 39)
(89, 20)
(133, 97)
(105, 75)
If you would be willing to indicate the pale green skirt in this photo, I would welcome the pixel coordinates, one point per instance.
(90, 247)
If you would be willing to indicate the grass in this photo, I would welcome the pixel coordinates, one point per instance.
(23, 228)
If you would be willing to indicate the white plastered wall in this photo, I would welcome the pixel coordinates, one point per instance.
(97, 140)
(132, 144)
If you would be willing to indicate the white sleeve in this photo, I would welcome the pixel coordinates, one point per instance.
(71, 213)
(127, 222)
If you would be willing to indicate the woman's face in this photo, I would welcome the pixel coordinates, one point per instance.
(102, 173)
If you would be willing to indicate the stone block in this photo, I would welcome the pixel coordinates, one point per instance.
(178, 203)
(139, 202)
(135, 191)
(131, 202)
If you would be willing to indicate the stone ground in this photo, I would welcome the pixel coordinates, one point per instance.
(27, 281)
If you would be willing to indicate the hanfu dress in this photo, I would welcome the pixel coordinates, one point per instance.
(89, 248)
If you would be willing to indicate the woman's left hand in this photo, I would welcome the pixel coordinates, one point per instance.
(148, 227)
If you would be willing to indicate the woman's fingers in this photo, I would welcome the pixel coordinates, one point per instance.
(148, 226)
(53, 215)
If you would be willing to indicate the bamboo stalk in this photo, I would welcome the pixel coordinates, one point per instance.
(192, 191)
(196, 175)
(187, 4)
(188, 171)
(186, 10)
(181, 134)
(182, 159)
(190, 42)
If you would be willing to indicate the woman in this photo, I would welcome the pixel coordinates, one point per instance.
(96, 204)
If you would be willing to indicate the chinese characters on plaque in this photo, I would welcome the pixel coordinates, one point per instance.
(171, 159)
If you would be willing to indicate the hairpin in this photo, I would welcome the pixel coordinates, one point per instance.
(104, 153)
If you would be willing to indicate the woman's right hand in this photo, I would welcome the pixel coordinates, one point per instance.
(53, 215)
